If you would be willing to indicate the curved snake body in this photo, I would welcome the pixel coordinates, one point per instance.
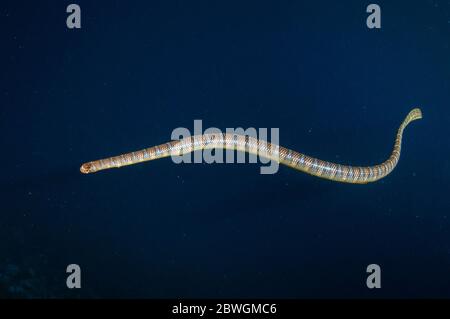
(244, 143)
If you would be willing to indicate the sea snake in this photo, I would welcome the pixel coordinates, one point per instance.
(245, 143)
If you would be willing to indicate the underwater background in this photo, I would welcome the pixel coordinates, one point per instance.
(136, 70)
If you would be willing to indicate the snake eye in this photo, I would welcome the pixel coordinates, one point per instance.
(86, 168)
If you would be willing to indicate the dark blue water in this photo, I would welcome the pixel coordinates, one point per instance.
(136, 70)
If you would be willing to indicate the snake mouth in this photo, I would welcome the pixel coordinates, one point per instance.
(86, 168)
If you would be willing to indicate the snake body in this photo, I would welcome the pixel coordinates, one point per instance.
(244, 143)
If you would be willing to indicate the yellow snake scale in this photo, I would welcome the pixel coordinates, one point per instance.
(293, 159)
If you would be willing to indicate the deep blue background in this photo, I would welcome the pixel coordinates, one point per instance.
(138, 69)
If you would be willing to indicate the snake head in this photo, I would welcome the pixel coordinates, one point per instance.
(87, 168)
